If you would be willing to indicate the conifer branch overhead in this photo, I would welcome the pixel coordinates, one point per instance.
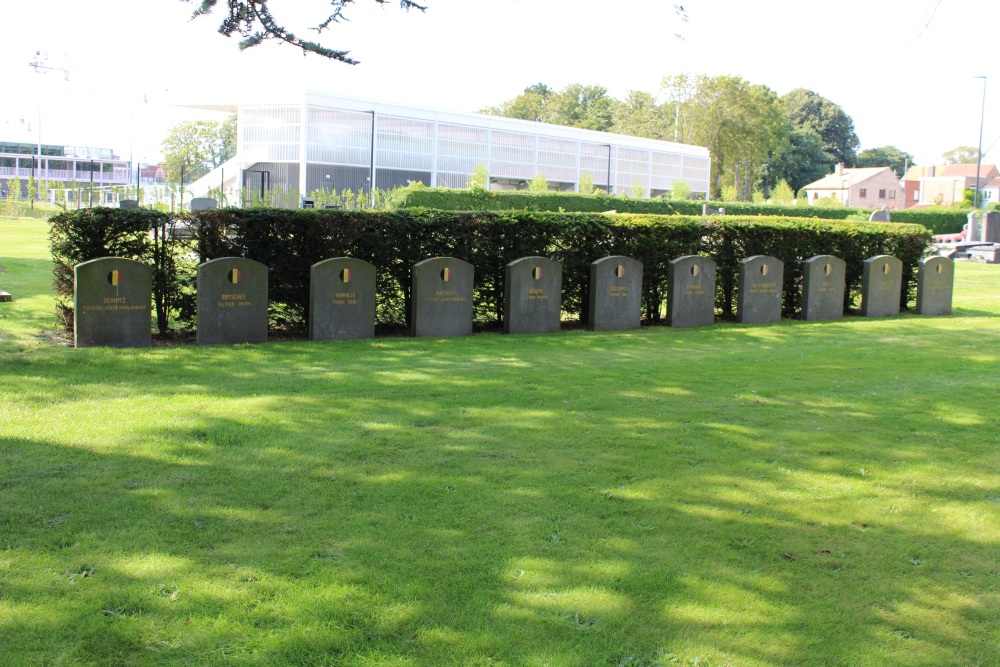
(253, 21)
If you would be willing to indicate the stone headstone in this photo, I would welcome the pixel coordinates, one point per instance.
(341, 299)
(935, 284)
(112, 303)
(232, 301)
(881, 286)
(823, 286)
(691, 292)
(972, 226)
(5, 296)
(615, 294)
(442, 297)
(881, 215)
(203, 204)
(759, 290)
(990, 232)
(128, 203)
(532, 296)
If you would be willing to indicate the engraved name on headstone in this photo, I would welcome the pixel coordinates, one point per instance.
(881, 286)
(823, 288)
(232, 301)
(615, 294)
(691, 292)
(341, 299)
(442, 297)
(935, 284)
(759, 287)
(112, 303)
(532, 296)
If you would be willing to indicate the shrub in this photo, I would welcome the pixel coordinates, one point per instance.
(290, 241)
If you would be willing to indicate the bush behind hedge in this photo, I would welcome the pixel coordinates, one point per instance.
(290, 241)
(938, 220)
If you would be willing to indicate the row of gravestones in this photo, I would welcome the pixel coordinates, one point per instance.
(112, 297)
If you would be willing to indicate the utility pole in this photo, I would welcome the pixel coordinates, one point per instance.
(979, 155)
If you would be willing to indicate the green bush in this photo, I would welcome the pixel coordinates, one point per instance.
(142, 235)
(290, 241)
(937, 220)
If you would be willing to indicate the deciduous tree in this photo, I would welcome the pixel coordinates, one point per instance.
(801, 159)
(198, 147)
(885, 156)
(961, 155)
(808, 110)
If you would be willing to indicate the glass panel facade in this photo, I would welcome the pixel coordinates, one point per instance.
(432, 146)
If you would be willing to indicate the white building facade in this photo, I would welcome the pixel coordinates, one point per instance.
(332, 143)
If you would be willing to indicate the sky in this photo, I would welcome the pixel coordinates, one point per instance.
(904, 70)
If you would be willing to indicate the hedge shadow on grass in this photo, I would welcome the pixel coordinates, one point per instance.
(482, 505)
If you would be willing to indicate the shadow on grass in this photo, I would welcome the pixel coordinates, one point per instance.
(566, 500)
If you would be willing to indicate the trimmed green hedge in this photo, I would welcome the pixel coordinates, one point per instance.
(939, 221)
(143, 235)
(290, 241)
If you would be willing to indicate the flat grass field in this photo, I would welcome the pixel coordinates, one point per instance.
(794, 494)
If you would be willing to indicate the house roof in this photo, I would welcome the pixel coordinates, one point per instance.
(850, 178)
(995, 183)
(968, 170)
(950, 171)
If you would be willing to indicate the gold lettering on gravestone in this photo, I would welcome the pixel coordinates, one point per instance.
(446, 296)
(537, 293)
(763, 288)
(345, 298)
(233, 301)
(695, 288)
(619, 291)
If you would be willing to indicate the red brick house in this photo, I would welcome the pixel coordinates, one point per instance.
(945, 184)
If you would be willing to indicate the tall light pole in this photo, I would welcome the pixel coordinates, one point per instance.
(979, 155)
(38, 64)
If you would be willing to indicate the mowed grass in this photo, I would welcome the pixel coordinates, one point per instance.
(796, 494)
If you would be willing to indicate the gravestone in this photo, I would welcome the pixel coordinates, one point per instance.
(232, 301)
(972, 227)
(881, 284)
(532, 296)
(442, 297)
(615, 298)
(935, 284)
(881, 215)
(203, 204)
(112, 299)
(823, 288)
(990, 232)
(341, 299)
(759, 287)
(5, 296)
(691, 292)
(128, 203)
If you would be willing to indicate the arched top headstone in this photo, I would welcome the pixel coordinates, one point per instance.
(823, 287)
(691, 301)
(881, 286)
(442, 297)
(112, 303)
(232, 301)
(881, 215)
(615, 294)
(532, 295)
(935, 285)
(759, 289)
(341, 299)
(203, 204)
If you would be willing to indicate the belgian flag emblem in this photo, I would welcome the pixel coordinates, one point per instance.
(695, 270)
(115, 278)
(763, 269)
(345, 276)
(234, 276)
(446, 274)
(536, 273)
(619, 271)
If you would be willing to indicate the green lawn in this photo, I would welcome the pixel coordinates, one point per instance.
(797, 494)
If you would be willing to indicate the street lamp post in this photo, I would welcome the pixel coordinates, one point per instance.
(979, 154)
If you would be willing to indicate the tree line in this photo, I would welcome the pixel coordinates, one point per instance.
(755, 137)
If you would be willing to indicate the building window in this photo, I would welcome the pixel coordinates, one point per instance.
(892, 194)
(864, 192)
(881, 194)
